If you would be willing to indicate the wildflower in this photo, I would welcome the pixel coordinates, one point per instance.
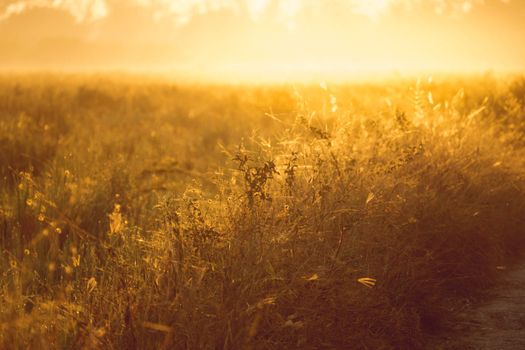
(91, 284)
(116, 221)
(76, 261)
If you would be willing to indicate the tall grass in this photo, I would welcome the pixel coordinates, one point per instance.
(146, 215)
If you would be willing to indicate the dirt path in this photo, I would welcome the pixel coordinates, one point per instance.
(496, 324)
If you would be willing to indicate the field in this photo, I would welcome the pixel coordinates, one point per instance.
(138, 213)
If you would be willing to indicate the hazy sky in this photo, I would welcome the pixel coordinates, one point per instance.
(263, 38)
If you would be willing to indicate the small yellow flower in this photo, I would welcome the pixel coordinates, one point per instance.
(116, 221)
(76, 261)
(58, 230)
(41, 217)
(26, 251)
(91, 284)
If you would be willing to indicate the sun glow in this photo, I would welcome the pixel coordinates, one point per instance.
(182, 11)
(263, 39)
(371, 8)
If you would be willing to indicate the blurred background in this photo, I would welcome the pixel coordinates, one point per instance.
(263, 40)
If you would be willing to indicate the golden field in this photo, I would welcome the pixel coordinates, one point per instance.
(137, 213)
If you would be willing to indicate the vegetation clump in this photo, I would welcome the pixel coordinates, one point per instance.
(356, 216)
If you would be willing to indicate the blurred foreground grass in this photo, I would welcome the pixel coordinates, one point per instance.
(143, 214)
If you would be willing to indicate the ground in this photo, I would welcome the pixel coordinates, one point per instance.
(497, 322)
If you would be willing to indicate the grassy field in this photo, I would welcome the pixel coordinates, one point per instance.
(138, 213)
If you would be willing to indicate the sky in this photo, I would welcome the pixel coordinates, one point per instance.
(263, 39)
